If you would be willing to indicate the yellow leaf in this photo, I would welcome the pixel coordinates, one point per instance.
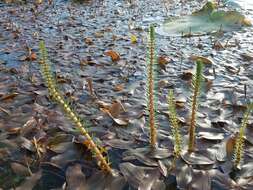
(39, 1)
(246, 22)
(133, 39)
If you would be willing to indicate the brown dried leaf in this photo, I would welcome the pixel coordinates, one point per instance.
(202, 59)
(61, 147)
(32, 57)
(27, 144)
(75, 178)
(116, 108)
(201, 180)
(222, 180)
(9, 96)
(218, 45)
(134, 174)
(198, 158)
(19, 169)
(230, 143)
(187, 75)
(88, 41)
(5, 111)
(113, 54)
(119, 87)
(120, 144)
(90, 86)
(247, 56)
(184, 175)
(163, 61)
(106, 181)
(30, 182)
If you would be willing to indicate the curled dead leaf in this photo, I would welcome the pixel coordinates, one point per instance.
(163, 61)
(113, 54)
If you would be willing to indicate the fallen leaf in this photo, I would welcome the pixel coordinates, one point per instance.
(88, 41)
(184, 175)
(61, 147)
(201, 180)
(99, 34)
(5, 111)
(88, 61)
(247, 56)
(246, 22)
(90, 86)
(116, 108)
(120, 121)
(30, 182)
(187, 75)
(39, 2)
(120, 144)
(113, 54)
(211, 135)
(198, 158)
(27, 144)
(133, 39)
(223, 181)
(19, 169)
(119, 87)
(135, 174)
(202, 59)
(32, 57)
(217, 45)
(230, 143)
(9, 96)
(75, 178)
(163, 60)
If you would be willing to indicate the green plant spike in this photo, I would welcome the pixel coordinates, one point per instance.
(150, 89)
(175, 126)
(239, 143)
(51, 85)
(196, 87)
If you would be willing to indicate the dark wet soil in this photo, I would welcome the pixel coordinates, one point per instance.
(40, 149)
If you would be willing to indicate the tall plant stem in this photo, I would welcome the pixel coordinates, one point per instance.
(240, 141)
(151, 98)
(90, 144)
(196, 85)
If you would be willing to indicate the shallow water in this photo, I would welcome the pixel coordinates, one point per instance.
(108, 25)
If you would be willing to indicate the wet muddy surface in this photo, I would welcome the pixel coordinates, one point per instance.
(39, 147)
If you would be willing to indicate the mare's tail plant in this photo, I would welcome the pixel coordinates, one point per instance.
(174, 124)
(150, 86)
(57, 97)
(196, 87)
(239, 143)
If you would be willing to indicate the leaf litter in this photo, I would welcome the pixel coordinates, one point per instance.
(100, 68)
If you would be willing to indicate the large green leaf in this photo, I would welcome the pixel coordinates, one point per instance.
(206, 20)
